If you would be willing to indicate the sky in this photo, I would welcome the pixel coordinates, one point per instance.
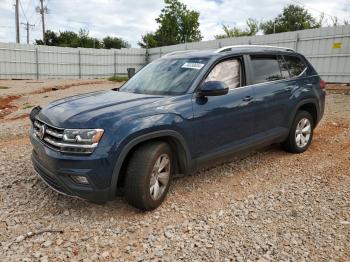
(130, 19)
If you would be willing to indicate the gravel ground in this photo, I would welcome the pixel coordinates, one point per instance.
(267, 206)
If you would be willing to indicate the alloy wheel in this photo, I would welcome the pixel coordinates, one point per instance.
(160, 176)
(303, 132)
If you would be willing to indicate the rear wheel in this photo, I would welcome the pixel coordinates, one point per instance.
(300, 134)
(148, 175)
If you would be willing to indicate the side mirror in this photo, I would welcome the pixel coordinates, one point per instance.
(213, 88)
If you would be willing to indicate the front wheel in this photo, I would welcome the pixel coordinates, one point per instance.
(300, 134)
(148, 175)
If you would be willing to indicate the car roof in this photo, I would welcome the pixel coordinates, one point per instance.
(230, 50)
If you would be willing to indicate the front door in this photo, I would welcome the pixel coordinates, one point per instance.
(222, 123)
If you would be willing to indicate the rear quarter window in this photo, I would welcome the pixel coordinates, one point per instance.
(295, 64)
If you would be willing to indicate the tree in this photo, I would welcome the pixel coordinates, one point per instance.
(86, 41)
(252, 29)
(114, 42)
(148, 41)
(253, 26)
(81, 39)
(292, 18)
(177, 25)
(68, 39)
(50, 37)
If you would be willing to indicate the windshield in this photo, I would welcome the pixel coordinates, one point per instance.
(165, 77)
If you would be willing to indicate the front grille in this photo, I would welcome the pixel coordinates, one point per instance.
(52, 136)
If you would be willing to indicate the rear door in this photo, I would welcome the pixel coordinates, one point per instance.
(222, 123)
(272, 90)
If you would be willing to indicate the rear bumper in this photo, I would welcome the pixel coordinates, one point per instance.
(57, 171)
(322, 104)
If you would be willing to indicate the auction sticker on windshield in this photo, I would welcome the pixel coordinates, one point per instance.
(196, 66)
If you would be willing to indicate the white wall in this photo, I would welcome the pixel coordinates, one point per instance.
(333, 64)
(19, 61)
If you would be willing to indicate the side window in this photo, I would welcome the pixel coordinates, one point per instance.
(284, 68)
(228, 71)
(295, 65)
(266, 68)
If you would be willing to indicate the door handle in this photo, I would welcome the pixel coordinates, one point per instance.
(247, 98)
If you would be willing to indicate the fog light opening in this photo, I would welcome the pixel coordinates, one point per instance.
(80, 179)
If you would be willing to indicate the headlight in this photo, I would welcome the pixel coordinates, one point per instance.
(80, 140)
(82, 136)
(73, 141)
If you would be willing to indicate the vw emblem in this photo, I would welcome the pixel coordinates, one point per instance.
(42, 131)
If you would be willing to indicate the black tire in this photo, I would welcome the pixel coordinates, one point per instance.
(139, 172)
(290, 144)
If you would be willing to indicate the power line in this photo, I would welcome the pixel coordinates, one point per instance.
(24, 14)
(312, 8)
(28, 5)
(33, 10)
(37, 20)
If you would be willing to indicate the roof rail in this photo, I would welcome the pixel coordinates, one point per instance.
(178, 52)
(229, 48)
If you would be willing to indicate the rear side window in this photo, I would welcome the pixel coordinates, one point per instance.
(268, 68)
(284, 68)
(295, 64)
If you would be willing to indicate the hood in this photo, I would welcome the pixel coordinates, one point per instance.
(86, 110)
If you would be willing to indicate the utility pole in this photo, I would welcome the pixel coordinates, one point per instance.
(17, 21)
(27, 27)
(42, 10)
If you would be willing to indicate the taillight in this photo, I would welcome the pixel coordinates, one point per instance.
(322, 84)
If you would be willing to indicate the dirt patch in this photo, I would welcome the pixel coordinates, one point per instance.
(22, 102)
(5, 106)
(343, 89)
(62, 87)
(22, 116)
(269, 205)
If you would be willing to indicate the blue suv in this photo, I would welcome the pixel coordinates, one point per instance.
(184, 111)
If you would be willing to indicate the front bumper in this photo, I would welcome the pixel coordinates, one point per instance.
(57, 169)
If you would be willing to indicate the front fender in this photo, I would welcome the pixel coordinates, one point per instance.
(144, 129)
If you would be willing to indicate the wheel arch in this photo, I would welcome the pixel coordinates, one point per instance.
(173, 138)
(309, 105)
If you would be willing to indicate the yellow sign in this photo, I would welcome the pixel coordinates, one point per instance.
(336, 45)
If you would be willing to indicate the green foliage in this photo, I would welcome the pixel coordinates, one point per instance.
(85, 40)
(118, 79)
(81, 39)
(292, 18)
(252, 29)
(148, 41)
(114, 42)
(67, 39)
(4, 87)
(177, 25)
